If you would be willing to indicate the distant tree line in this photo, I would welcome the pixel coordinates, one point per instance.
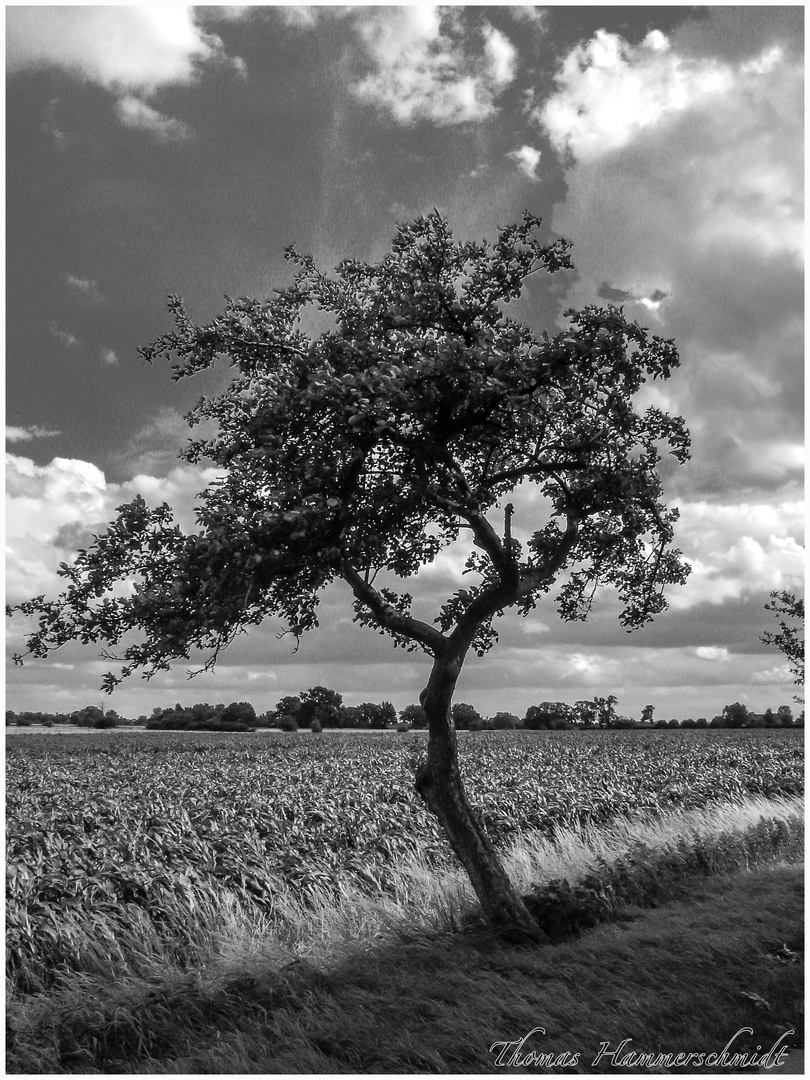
(91, 716)
(320, 707)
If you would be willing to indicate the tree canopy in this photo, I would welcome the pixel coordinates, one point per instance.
(365, 449)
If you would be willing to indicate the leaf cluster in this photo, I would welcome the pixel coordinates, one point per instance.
(790, 638)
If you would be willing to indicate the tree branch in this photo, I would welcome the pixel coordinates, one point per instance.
(536, 470)
(389, 618)
(538, 574)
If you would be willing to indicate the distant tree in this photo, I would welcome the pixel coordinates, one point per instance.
(289, 706)
(585, 712)
(414, 716)
(647, 714)
(790, 638)
(718, 721)
(360, 453)
(376, 716)
(504, 721)
(701, 722)
(605, 708)
(547, 715)
(287, 723)
(599, 711)
(349, 717)
(784, 715)
(89, 716)
(323, 704)
(735, 715)
(463, 715)
(240, 712)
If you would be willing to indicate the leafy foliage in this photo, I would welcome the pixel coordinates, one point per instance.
(361, 452)
(464, 714)
(790, 639)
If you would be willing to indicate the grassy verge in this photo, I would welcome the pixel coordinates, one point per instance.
(392, 986)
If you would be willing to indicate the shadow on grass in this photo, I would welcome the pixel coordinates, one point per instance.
(687, 977)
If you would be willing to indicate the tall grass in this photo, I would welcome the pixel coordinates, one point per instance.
(140, 994)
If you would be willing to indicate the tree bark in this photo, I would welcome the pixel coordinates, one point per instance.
(438, 781)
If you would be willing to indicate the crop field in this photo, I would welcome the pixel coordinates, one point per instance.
(114, 831)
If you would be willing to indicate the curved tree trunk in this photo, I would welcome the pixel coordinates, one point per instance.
(438, 781)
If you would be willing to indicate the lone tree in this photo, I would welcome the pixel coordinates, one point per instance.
(790, 639)
(361, 452)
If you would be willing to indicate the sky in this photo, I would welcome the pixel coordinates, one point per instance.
(158, 150)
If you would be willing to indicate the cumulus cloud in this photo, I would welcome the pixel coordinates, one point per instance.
(739, 549)
(24, 434)
(609, 92)
(108, 357)
(684, 200)
(780, 675)
(57, 506)
(131, 51)
(120, 48)
(425, 67)
(527, 158)
(134, 113)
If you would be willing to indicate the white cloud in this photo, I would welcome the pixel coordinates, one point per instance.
(51, 509)
(300, 16)
(120, 48)
(108, 357)
(87, 288)
(738, 550)
(134, 113)
(527, 158)
(64, 337)
(590, 670)
(764, 63)
(131, 51)
(714, 653)
(609, 91)
(698, 222)
(23, 434)
(425, 68)
(530, 16)
(500, 52)
(780, 674)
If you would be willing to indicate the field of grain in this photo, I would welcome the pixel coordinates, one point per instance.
(109, 835)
